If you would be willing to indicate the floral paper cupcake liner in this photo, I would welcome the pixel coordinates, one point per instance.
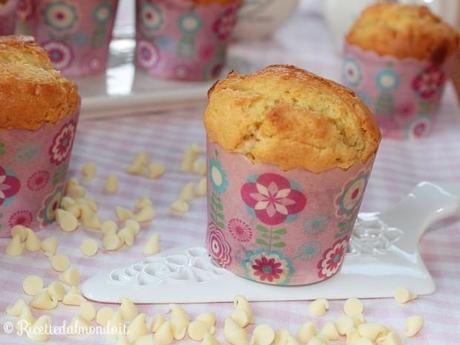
(280, 227)
(8, 17)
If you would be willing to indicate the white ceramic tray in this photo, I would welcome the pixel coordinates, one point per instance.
(383, 255)
(123, 90)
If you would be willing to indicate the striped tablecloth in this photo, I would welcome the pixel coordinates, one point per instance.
(111, 144)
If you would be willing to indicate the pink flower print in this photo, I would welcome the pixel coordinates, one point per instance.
(218, 247)
(272, 198)
(224, 25)
(332, 259)
(429, 82)
(62, 143)
(240, 231)
(38, 180)
(23, 217)
(406, 110)
(9, 186)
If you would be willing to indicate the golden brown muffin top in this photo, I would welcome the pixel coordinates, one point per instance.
(404, 31)
(32, 92)
(288, 117)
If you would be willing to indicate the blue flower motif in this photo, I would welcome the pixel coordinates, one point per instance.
(217, 176)
(316, 225)
(189, 23)
(419, 127)
(79, 38)
(28, 152)
(352, 194)
(60, 15)
(152, 17)
(309, 251)
(387, 79)
(351, 72)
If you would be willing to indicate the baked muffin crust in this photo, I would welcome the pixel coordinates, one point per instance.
(32, 92)
(404, 31)
(288, 117)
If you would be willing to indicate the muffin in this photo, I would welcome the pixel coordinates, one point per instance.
(184, 40)
(397, 59)
(289, 157)
(38, 120)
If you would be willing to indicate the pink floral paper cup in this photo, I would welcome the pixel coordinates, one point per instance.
(7, 17)
(76, 34)
(183, 40)
(280, 227)
(33, 170)
(403, 94)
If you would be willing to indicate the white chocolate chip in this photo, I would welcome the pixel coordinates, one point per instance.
(16, 308)
(329, 331)
(111, 185)
(137, 328)
(49, 245)
(187, 193)
(189, 157)
(91, 203)
(143, 202)
(207, 318)
(156, 170)
(390, 339)
(15, 247)
(43, 301)
(103, 315)
(145, 215)
(89, 171)
(200, 187)
(306, 332)
(89, 247)
(78, 326)
(75, 210)
(353, 306)
(403, 295)
(59, 262)
(19, 230)
(32, 285)
(413, 325)
(197, 330)
(136, 168)
(56, 291)
(123, 340)
(75, 191)
(241, 317)
(157, 321)
(73, 297)
(318, 307)
(318, 340)
(263, 334)
(147, 340)
(352, 336)
(362, 341)
(36, 332)
(199, 166)
(109, 227)
(128, 309)
(240, 302)
(123, 213)
(344, 323)
(141, 158)
(115, 321)
(33, 243)
(283, 337)
(210, 339)
(133, 225)
(112, 242)
(126, 236)
(90, 218)
(87, 311)
(71, 276)
(372, 331)
(66, 220)
(25, 316)
(164, 334)
(67, 202)
(179, 207)
(234, 334)
(358, 319)
(179, 321)
(152, 246)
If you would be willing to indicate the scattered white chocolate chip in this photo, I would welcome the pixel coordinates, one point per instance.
(210, 339)
(145, 215)
(133, 225)
(112, 242)
(200, 187)
(56, 291)
(123, 340)
(136, 168)
(75, 210)
(115, 321)
(391, 338)
(90, 218)
(353, 306)
(155, 170)
(318, 340)
(283, 337)
(15, 247)
(147, 340)
(49, 245)
(152, 246)
(32, 285)
(362, 341)
(403, 295)
(128, 309)
(66, 220)
(71, 276)
(137, 328)
(91, 203)
(19, 230)
(111, 185)
(263, 334)
(157, 321)
(78, 326)
(103, 315)
(89, 171)
(207, 318)
(344, 323)
(187, 192)
(16, 308)
(43, 301)
(123, 213)
(358, 319)
(143, 202)
(33, 243)
(59, 262)
(306, 332)
(197, 330)
(179, 207)
(38, 331)
(89, 247)
(241, 317)
(179, 321)
(352, 336)
(25, 316)
(189, 157)
(413, 325)
(318, 307)
(234, 334)
(109, 227)
(199, 166)
(73, 297)
(142, 158)
(240, 302)
(164, 334)
(329, 331)
(74, 190)
(372, 331)
(67, 202)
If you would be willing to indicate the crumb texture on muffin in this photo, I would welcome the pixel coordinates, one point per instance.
(288, 117)
(404, 31)
(32, 92)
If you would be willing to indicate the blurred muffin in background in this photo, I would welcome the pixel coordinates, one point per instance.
(7, 16)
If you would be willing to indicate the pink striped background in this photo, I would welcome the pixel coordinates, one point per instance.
(399, 166)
